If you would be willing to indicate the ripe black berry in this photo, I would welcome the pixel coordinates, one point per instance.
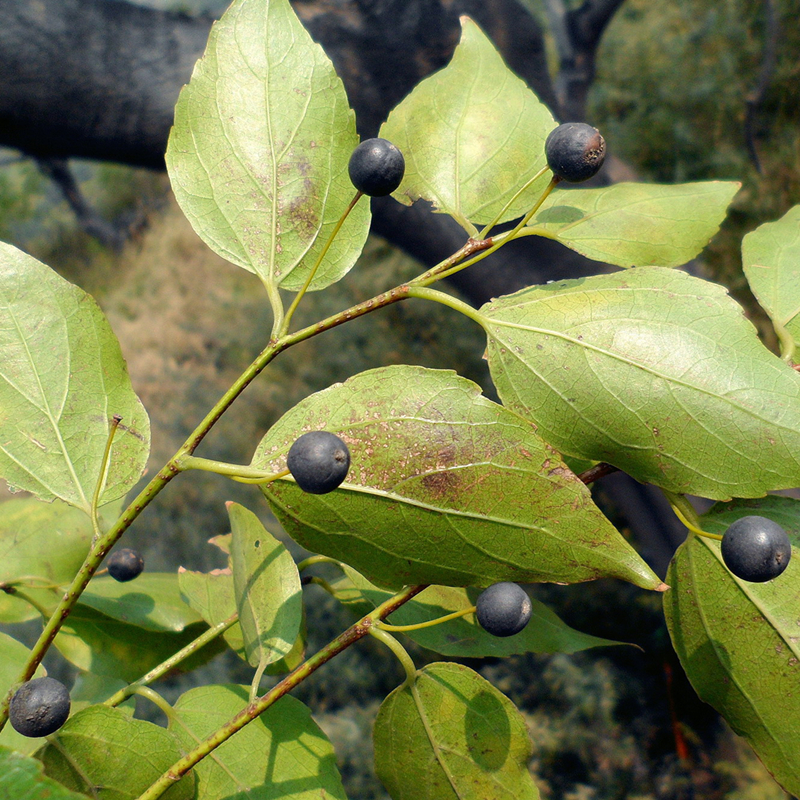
(125, 564)
(756, 549)
(376, 167)
(318, 461)
(575, 151)
(503, 609)
(39, 707)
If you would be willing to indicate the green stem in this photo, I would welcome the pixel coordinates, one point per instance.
(402, 655)
(252, 710)
(167, 666)
(311, 560)
(315, 581)
(296, 302)
(786, 341)
(685, 512)
(235, 471)
(256, 682)
(483, 234)
(157, 700)
(101, 478)
(447, 300)
(495, 242)
(15, 592)
(385, 626)
(276, 303)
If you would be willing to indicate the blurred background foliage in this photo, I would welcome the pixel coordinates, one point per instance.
(670, 98)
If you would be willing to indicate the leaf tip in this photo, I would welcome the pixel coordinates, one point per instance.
(662, 587)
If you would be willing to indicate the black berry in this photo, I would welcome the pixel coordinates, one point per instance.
(318, 461)
(376, 167)
(125, 564)
(756, 549)
(503, 609)
(575, 151)
(39, 707)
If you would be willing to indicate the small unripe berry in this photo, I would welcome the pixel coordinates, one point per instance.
(575, 151)
(39, 707)
(376, 167)
(756, 549)
(319, 461)
(125, 564)
(503, 609)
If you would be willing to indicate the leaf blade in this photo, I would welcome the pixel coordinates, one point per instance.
(770, 256)
(654, 371)
(445, 487)
(452, 735)
(737, 641)
(472, 135)
(258, 154)
(269, 597)
(63, 378)
(636, 224)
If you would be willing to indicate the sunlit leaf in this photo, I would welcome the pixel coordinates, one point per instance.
(259, 151)
(269, 598)
(472, 135)
(636, 224)
(654, 371)
(738, 641)
(62, 379)
(42, 546)
(152, 601)
(281, 755)
(22, 778)
(120, 757)
(463, 637)
(445, 487)
(771, 261)
(452, 735)
(96, 643)
(212, 596)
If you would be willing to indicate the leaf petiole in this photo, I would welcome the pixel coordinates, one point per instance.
(385, 626)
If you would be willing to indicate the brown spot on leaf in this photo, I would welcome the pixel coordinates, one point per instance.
(441, 484)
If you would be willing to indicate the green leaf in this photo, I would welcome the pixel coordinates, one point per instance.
(96, 643)
(63, 378)
(452, 735)
(152, 601)
(472, 135)
(444, 487)
(39, 545)
(738, 641)
(636, 224)
(463, 637)
(212, 596)
(269, 597)
(89, 689)
(771, 260)
(281, 755)
(13, 657)
(259, 151)
(654, 371)
(121, 756)
(21, 778)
